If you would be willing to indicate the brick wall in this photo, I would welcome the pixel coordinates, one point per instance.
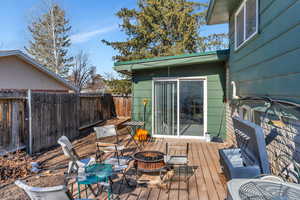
(282, 138)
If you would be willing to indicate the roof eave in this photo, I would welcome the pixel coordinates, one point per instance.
(219, 11)
(220, 56)
(209, 11)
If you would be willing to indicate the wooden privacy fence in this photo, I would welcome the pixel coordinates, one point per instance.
(53, 115)
(37, 120)
(12, 124)
(122, 106)
(94, 108)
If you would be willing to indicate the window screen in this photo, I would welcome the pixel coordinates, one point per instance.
(250, 18)
(240, 27)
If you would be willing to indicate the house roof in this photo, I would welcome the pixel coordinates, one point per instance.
(170, 61)
(219, 11)
(38, 66)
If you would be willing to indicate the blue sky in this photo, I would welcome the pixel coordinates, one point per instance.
(91, 21)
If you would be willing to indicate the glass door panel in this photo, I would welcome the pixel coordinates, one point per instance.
(165, 108)
(191, 117)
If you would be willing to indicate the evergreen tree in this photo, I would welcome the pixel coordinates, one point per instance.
(50, 40)
(162, 28)
(118, 84)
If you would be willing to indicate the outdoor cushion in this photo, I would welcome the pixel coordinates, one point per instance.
(105, 131)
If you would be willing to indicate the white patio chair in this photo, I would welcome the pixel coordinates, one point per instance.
(46, 193)
(70, 152)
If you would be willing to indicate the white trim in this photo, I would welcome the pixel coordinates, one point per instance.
(180, 137)
(153, 104)
(178, 109)
(196, 78)
(205, 108)
(245, 39)
(38, 66)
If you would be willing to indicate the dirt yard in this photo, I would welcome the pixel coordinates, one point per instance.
(53, 163)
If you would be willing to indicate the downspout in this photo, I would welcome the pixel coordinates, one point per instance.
(234, 96)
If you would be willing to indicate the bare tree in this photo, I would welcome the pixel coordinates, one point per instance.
(82, 72)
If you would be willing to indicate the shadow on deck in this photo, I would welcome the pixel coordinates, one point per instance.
(207, 181)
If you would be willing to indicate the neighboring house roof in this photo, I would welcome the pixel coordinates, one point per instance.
(169, 61)
(38, 66)
(219, 11)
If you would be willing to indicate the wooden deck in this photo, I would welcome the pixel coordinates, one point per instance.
(206, 183)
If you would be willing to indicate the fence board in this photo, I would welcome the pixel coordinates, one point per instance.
(12, 124)
(122, 106)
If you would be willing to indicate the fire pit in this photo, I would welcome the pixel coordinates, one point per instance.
(149, 161)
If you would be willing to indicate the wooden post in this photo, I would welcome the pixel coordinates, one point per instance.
(29, 120)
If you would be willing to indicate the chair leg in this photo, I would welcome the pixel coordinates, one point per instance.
(86, 191)
(91, 188)
(186, 177)
(124, 177)
(72, 188)
(79, 195)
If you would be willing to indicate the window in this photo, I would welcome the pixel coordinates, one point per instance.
(246, 22)
(245, 112)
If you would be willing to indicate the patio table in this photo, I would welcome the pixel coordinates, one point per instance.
(94, 174)
(134, 125)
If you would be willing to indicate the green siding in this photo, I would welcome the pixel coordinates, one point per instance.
(268, 64)
(215, 73)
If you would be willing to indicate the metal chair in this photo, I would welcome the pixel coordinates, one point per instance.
(75, 163)
(46, 193)
(119, 161)
(177, 155)
(105, 132)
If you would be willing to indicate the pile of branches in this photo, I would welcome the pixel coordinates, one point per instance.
(14, 166)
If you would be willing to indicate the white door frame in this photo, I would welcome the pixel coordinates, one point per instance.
(201, 78)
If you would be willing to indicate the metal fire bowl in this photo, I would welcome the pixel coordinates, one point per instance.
(144, 165)
(136, 156)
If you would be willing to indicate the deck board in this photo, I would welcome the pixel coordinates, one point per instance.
(206, 183)
(211, 190)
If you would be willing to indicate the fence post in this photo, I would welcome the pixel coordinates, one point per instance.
(29, 120)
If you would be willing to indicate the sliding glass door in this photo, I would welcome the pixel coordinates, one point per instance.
(191, 102)
(165, 115)
(179, 107)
